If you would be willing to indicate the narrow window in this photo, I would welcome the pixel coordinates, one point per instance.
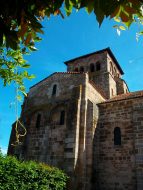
(114, 70)
(62, 117)
(111, 67)
(117, 136)
(92, 69)
(76, 70)
(112, 91)
(81, 69)
(38, 121)
(98, 66)
(54, 90)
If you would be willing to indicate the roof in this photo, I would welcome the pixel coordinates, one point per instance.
(98, 52)
(57, 73)
(126, 96)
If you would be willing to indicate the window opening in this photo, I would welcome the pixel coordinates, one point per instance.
(112, 91)
(92, 69)
(114, 70)
(54, 90)
(62, 117)
(111, 67)
(117, 136)
(98, 67)
(76, 70)
(38, 121)
(81, 69)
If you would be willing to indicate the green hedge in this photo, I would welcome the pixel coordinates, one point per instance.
(21, 175)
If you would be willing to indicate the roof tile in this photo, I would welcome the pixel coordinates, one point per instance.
(126, 96)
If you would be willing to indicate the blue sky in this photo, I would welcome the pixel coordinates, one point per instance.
(65, 39)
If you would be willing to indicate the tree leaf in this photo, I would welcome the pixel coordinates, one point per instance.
(31, 77)
(32, 48)
(90, 6)
(122, 27)
(19, 98)
(117, 19)
(25, 66)
(23, 92)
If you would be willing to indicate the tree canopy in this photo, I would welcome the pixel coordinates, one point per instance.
(17, 174)
(20, 26)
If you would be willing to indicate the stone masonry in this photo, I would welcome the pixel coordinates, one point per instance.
(86, 122)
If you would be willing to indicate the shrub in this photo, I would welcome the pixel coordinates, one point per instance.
(29, 175)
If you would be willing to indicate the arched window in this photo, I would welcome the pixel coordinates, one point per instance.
(111, 67)
(92, 68)
(117, 136)
(62, 117)
(81, 69)
(115, 71)
(76, 69)
(38, 121)
(54, 90)
(98, 66)
(112, 91)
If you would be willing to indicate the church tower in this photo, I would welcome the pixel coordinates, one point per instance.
(103, 69)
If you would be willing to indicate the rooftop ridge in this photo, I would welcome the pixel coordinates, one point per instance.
(71, 72)
(97, 52)
(57, 73)
(130, 95)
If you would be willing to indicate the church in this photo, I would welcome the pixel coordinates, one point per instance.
(87, 123)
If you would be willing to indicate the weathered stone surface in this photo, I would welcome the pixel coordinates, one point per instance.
(72, 119)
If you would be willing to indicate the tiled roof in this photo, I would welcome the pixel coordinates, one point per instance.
(57, 73)
(98, 89)
(126, 96)
(70, 72)
(98, 52)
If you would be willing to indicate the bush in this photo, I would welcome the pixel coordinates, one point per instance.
(29, 175)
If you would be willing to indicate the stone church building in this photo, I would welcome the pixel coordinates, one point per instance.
(86, 122)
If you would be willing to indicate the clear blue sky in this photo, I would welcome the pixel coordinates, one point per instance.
(65, 39)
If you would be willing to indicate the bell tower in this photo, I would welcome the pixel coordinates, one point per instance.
(103, 69)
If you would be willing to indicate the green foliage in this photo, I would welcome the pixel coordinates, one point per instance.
(18, 175)
(12, 68)
(20, 26)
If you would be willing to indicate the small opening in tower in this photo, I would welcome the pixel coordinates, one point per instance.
(54, 90)
(117, 136)
(76, 69)
(111, 67)
(112, 91)
(98, 66)
(115, 71)
(81, 69)
(62, 117)
(92, 68)
(38, 121)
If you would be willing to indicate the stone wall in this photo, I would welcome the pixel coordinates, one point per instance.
(119, 166)
(138, 136)
(104, 77)
(68, 146)
(86, 61)
(122, 87)
(71, 121)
